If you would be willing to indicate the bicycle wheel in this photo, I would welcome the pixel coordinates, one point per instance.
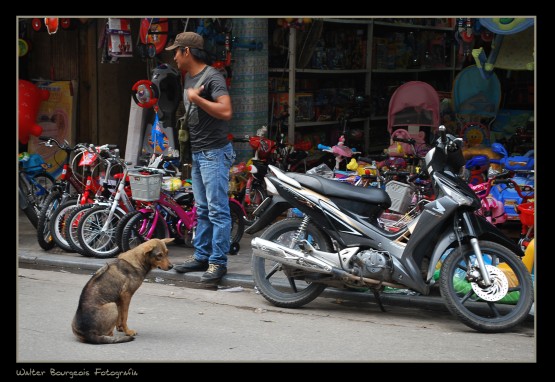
(257, 196)
(44, 238)
(95, 240)
(41, 187)
(29, 209)
(72, 223)
(237, 222)
(137, 229)
(58, 222)
(121, 225)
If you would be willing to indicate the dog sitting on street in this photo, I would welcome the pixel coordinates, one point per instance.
(105, 299)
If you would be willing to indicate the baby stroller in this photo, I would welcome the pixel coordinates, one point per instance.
(413, 114)
(476, 103)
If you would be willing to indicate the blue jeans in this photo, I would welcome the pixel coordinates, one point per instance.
(210, 175)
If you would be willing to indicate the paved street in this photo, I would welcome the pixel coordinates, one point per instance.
(177, 324)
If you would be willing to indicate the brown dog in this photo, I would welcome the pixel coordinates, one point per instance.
(104, 301)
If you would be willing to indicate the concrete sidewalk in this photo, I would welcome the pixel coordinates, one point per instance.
(31, 255)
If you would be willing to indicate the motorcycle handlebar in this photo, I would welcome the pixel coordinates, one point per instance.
(442, 134)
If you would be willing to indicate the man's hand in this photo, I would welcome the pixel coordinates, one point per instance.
(194, 94)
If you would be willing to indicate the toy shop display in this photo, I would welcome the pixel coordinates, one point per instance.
(476, 102)
(511, 49)
(163, 94)
(154, 36)
(117, 41)
(56, 116)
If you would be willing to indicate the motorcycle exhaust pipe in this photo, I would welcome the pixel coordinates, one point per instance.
(297, 259)
(288, 256)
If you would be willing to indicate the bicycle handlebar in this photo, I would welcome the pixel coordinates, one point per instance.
(246, 139)
(410, 141)
(398, 173)
(162, 171)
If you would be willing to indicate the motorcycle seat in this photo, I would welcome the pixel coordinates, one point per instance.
(332, 188)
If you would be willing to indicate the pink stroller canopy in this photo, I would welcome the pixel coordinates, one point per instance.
(413, 103)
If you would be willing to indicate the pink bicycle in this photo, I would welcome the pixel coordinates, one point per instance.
(170, 215)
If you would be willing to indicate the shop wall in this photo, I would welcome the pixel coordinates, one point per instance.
(104, 89)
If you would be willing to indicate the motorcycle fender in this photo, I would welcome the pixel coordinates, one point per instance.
(484, 231)
(277, 206)
(487, 231)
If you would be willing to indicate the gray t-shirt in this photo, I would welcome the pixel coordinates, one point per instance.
(206, 132)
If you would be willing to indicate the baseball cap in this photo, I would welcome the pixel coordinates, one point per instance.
(190, 39)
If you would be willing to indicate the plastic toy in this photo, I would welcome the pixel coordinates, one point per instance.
(30, 98)
(145, 93)
(478, 167)
(340, 151)
(512, 163)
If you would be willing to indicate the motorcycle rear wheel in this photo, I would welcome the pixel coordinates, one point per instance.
(283, 285)
(473, 311)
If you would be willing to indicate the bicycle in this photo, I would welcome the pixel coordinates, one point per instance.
(94, 161)
(96, 230)
(61, 191)
(35, 184)
(161, 216)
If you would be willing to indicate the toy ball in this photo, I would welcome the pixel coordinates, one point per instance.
(143, 95)
(172, 184)
(30, 98)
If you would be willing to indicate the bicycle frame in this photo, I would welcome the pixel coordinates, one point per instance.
(186, 218)
(119, 198)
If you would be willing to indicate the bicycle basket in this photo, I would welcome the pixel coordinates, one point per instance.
(526, 213)
(33, 164)
(145, 188)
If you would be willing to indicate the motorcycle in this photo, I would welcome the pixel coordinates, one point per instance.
(341, 242)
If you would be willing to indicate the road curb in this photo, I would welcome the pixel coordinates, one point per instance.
(28, 260)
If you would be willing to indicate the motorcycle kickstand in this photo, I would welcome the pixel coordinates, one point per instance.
(378, 298)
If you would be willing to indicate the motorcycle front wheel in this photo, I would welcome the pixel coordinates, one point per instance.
(497, 308)
(283, 285)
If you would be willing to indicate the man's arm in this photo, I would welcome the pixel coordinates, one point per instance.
(221, 108)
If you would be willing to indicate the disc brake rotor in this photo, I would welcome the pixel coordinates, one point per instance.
(498, 288)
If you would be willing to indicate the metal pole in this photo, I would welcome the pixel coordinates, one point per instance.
(291, 101)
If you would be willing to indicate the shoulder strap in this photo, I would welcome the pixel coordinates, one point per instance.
(198, 85)
(183, 135)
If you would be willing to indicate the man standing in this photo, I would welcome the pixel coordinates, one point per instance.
(208, 103)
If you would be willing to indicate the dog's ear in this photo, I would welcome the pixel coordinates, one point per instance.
(150, 246)
(168, 239)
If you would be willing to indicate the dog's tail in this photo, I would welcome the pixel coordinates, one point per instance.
(109, 339)
(93, 338)
(96, 339)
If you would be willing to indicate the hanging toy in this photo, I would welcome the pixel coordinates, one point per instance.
(145, 93)
(52, 24)
(30, 98)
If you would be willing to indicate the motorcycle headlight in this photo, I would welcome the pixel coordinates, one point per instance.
(451, 189)
(460, 199)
